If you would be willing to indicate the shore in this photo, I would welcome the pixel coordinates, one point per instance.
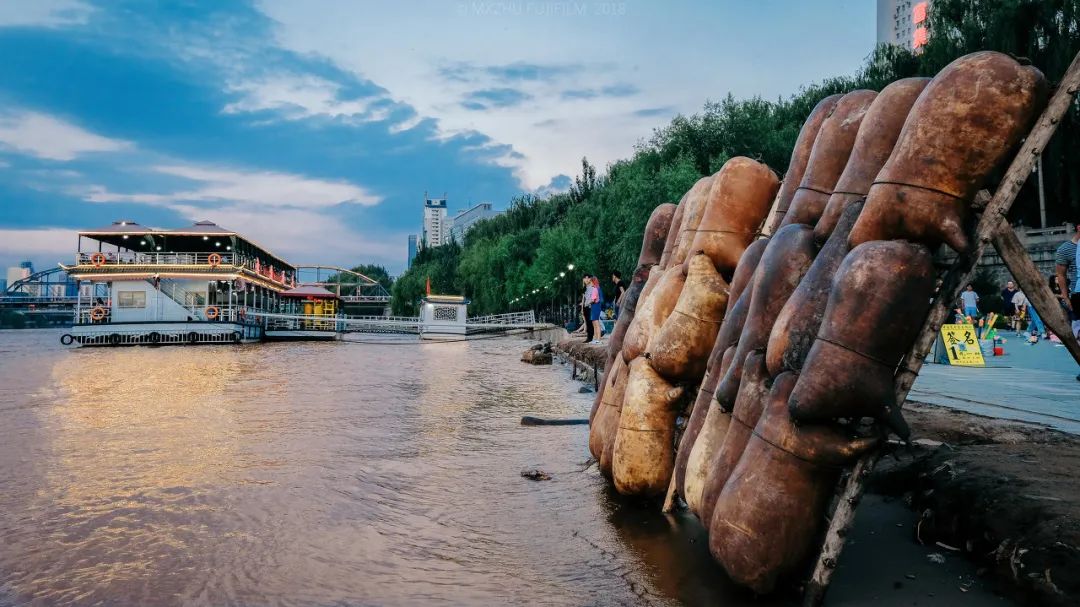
(977, 509)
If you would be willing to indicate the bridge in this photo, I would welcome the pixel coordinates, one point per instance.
(405, 325)
(351, 287)
(48, 296)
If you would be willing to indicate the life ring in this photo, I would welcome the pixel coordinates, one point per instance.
(193, 337)
(214, 260)
(97, 313)
(155, 337)
(236, 337)
(97, 259)
(67, 339)
(212, 312)
(114, 339)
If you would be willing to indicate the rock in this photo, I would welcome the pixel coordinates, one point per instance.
(536, 357)
(585, 390)
(536, 475)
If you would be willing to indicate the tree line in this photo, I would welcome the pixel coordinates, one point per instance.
(598, 224)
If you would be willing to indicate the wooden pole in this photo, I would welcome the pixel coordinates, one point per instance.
(1034, 286)
(959, 275)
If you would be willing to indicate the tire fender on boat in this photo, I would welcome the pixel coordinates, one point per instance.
(67, 339)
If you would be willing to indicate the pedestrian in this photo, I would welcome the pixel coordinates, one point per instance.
(620, 290)
(1065, 265)
(586, 307)
(1007, 295)
(970, 302)
(1065, 269)
(1020, 310)
(597, 303)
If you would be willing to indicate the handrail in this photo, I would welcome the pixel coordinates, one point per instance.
(210, 260)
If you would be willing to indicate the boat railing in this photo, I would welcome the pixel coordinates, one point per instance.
(101, 314)
(154, 259)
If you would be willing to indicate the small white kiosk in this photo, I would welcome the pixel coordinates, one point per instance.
(443, 317)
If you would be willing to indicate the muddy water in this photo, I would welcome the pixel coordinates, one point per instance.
(315, 474)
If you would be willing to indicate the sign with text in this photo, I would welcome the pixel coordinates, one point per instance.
(962, 345)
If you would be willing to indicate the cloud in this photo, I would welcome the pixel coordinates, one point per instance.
(264, 189)
(44, 13)
(38, 244)
(51, 138)
(621, 89)
(558, 184)
(303, 236)
(519, 71)
(654, 111)
(304, 96)
(494, 98)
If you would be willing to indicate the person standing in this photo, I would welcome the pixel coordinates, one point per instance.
(1020, 311)
(1065, 267)
(620, 290)
(586, 307)
(1007, 295)
(970, 302)
(596, 303)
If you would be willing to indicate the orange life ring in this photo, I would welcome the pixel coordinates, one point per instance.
(97, 259)
(214, 260)
(211, 312)
(97, 313)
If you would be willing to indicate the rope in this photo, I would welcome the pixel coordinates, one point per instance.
(858, 353)
(806, 187)
(795, 455)
(918, 187)
(849, 193)
(714, 322)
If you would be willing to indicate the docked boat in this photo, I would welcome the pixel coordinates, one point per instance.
(201, 284)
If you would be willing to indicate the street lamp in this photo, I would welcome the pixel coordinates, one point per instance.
(570, 266)
(562, 274)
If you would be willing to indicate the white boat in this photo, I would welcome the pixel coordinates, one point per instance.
(194, 285)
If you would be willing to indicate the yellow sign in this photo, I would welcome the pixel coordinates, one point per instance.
(962, 345)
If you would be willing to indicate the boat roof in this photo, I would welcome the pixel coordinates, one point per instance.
(126, 227)
(309, 291)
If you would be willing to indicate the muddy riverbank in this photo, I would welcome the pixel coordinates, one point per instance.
(976, 510)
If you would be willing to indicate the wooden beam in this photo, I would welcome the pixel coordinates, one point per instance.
(1034, 285)
(959, 275)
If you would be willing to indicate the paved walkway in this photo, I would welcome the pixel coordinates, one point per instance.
(1033, 383)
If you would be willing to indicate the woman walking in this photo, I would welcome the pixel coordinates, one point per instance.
(595, 302)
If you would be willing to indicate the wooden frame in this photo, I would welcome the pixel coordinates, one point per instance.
(991, 228)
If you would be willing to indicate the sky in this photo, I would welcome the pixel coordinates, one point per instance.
(316, 127)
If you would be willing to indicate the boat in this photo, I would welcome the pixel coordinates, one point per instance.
(202, 284)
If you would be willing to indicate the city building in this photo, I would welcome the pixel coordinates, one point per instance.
(412, 248)
(436, 227)
(3, 285)
(19, 272)
(903, 22)
(464, 221)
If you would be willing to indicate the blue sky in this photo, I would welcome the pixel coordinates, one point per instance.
(316, 127)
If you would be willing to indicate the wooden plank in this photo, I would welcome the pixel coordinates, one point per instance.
(959, 275)
(1034, 286)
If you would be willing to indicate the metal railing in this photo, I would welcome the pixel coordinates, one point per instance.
(114, 259)
(509, 318)
(103, 314)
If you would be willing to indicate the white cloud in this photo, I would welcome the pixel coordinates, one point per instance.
(51, 138)
(44, 245)
(300, 96)
(304, 236)
(262, 189)
(44, 13)
(695, 52)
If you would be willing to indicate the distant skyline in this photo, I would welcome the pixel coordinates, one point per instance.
(315, 127)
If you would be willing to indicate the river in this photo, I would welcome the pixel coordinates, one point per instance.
(315, 474)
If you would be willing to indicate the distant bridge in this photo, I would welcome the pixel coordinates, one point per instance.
(49, 295)
(395, 324)
(351, 287)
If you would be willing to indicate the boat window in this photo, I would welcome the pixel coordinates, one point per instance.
(131, 299)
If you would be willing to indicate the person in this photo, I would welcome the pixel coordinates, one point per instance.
(620, 290)
(1066, 264)
(596, 303)
(970, 300)
(1065, 267)
(586, 307)
(1007, 295)
(1020, 310)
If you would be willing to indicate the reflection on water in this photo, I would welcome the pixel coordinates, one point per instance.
(314, 474)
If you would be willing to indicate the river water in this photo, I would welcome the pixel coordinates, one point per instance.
(316, 474)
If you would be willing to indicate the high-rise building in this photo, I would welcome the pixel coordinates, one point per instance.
(903, 22)
(436, 227)
(3, 285)
(19, 272)
(412, 248)
(465, 220)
